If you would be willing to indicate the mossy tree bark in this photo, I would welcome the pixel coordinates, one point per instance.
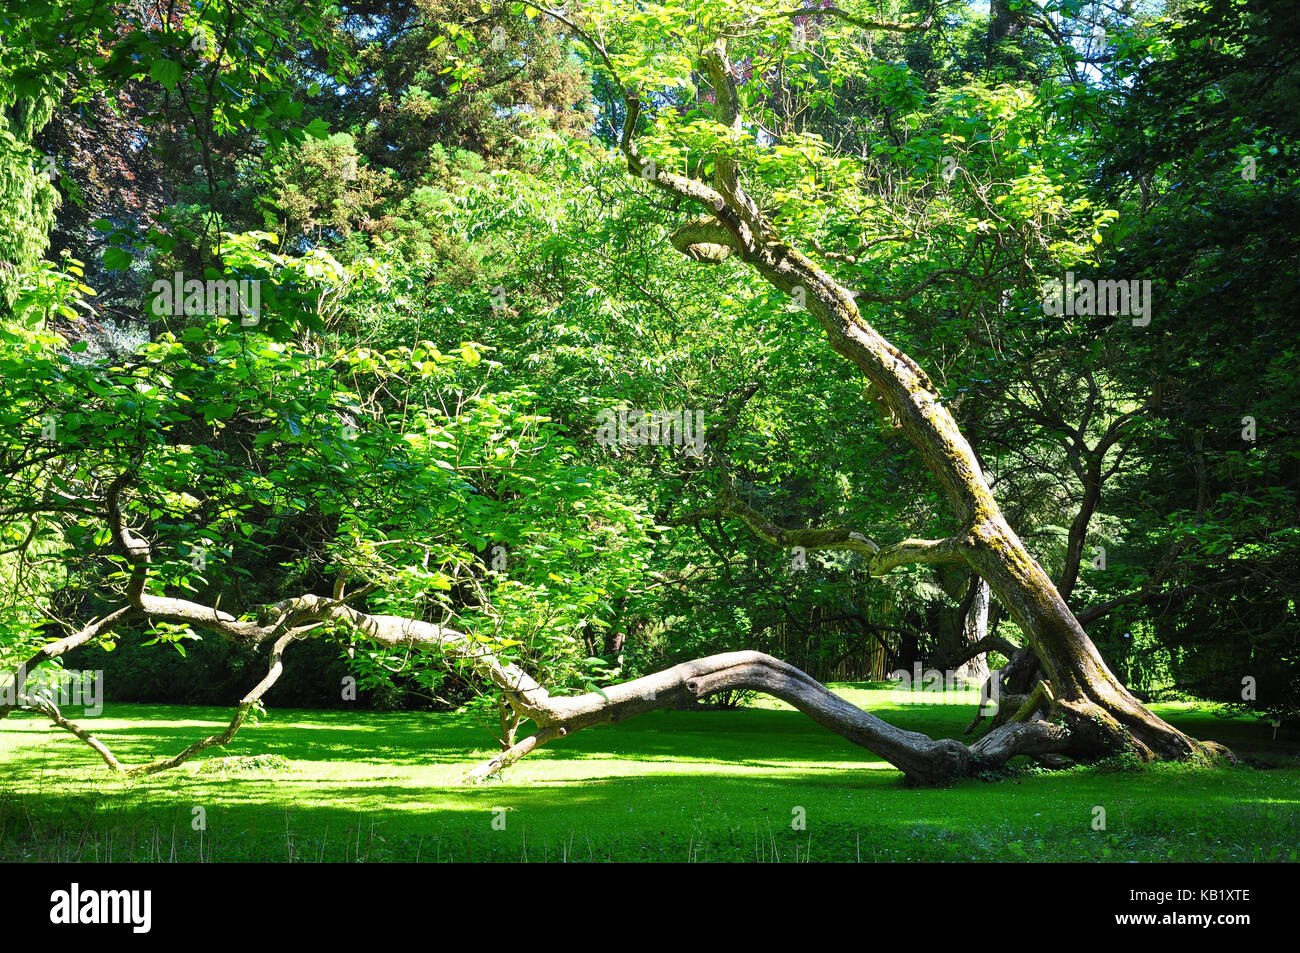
(1100, 712)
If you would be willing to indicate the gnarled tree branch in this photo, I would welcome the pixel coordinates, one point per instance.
(880, 559)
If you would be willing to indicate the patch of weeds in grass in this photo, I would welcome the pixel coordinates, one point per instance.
(246, 764)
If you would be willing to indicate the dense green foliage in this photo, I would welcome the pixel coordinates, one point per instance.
(458, 281)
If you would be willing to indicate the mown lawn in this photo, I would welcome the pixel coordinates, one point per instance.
(678, 786)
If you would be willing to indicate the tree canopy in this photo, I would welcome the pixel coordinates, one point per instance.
(564, 363)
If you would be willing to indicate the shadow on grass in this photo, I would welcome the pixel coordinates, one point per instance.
(756, 738)
(846, 815)
(667, 786)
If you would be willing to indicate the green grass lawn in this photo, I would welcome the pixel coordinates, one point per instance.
(705, 786)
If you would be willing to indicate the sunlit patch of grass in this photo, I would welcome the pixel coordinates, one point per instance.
(714, 785)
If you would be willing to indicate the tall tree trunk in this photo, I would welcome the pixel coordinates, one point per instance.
(1005, 25)
(1079, 530)
(974, 629)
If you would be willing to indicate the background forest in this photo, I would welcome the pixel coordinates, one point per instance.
(468, 308)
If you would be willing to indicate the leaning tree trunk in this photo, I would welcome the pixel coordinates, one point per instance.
(1084, 694)
(1099, 710)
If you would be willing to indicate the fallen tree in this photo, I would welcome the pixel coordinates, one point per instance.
(1078, 708)
(1099, 713)
(923, 760)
